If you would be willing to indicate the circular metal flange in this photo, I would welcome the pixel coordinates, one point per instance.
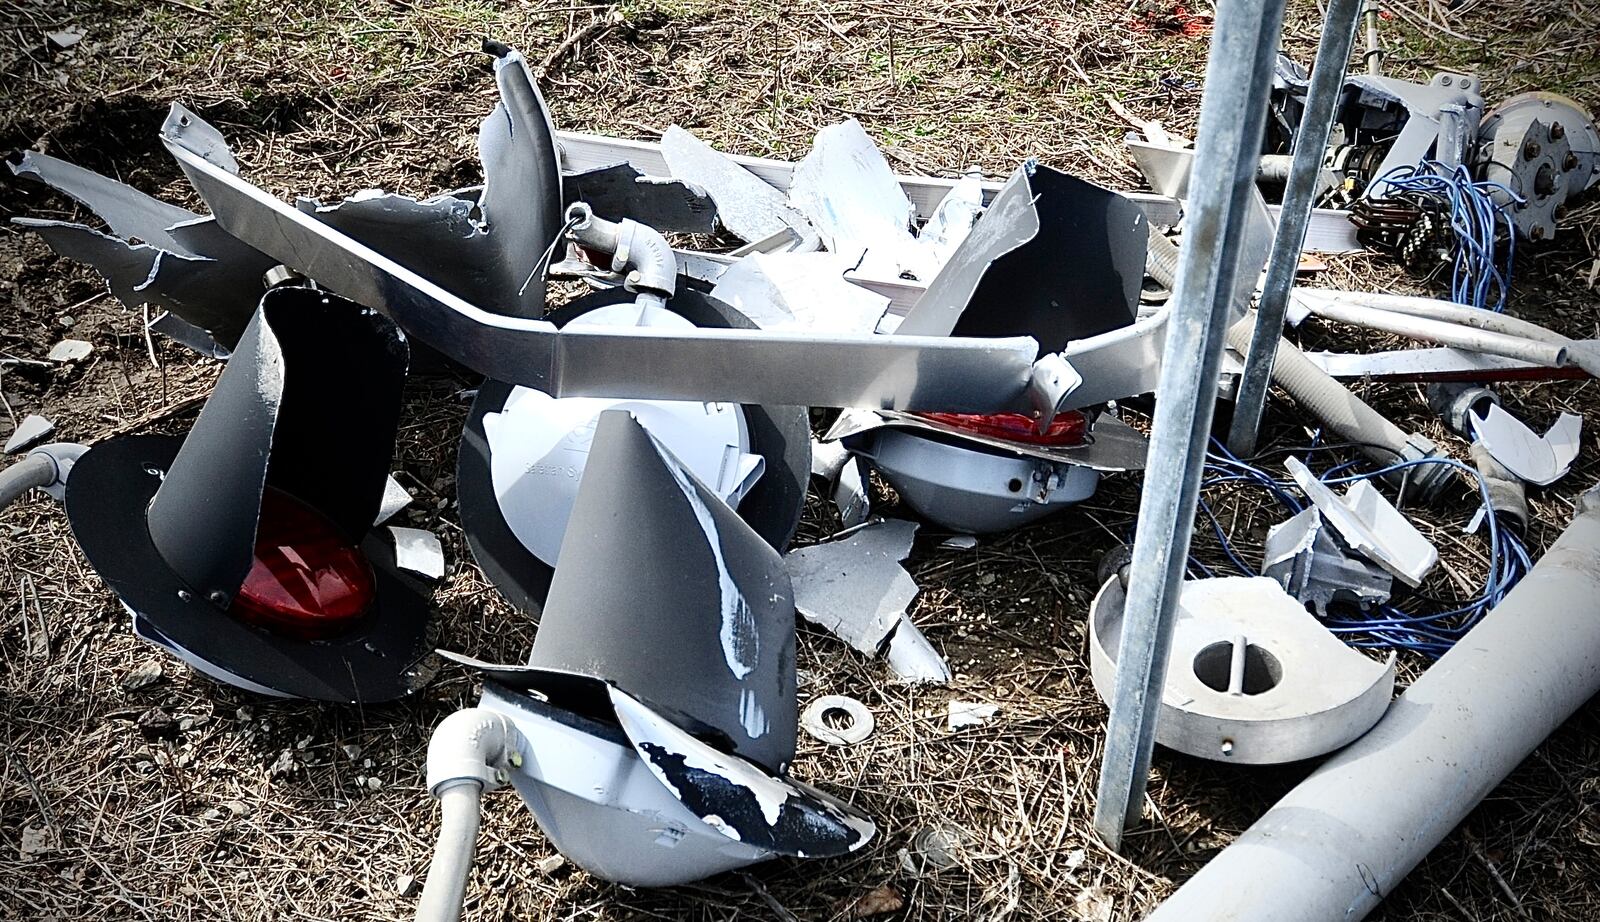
(780, 435)
(813, 721)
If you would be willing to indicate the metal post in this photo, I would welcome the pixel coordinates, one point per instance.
(1232, 115)
(1310, 144)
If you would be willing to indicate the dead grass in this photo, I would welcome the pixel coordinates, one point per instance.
(263, 810)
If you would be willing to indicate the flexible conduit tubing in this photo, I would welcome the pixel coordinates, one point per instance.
(469, 753)
(1311, 298)
(1442, 332)
(35, 470)
(446, 887)
(1334, 845)
(1310, 386)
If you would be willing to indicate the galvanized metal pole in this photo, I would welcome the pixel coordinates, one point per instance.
(1227, 148)
(1310, 143)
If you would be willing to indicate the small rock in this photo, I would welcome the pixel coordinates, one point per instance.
(351, 751)
(985, 579)
(144, 675)
(244, 713)
(404, 884)
(284, 764)
(1075, 859)
(212, 814)
(36, 840)
(157, 724)
(237, 808)
(69, 350)
(374, 784)
(551, 864)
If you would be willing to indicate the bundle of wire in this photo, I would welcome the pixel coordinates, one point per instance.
(1428, 633)
(1477, 279)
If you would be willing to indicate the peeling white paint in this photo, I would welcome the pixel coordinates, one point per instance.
(740, 643)
(752, 715)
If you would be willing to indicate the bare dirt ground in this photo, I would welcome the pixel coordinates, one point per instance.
(186, 800)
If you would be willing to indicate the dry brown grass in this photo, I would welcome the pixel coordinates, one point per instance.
(257, 809)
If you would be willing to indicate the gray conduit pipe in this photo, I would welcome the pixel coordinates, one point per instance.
(1452, 313)
(1334, 846)
(1323, 397)
(471, 751)
(45, 468)
(1441, 332)
(36, 470)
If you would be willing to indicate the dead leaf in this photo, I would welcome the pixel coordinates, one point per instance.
(884, 899)
(1094, 904)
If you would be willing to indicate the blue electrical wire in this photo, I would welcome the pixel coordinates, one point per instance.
(1477, 279)
(1388, 625)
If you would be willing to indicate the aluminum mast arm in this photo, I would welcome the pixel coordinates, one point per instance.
(747, 366)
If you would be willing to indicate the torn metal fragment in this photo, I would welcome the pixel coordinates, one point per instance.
(395, 498)
(857, 726)
(851, 493)
(129, 213)
(800, 291)
(65, 38)
(963, 714)
(70, 350)
(30, 432)
(748, 207)
(596, 800)
(855, 587)
(1370, 525)
(187, 334)
(1537, 459)
(156, 254)
(483, 245)
(1252, 677)
(1053, 257)
(620, 191)
(418, 551)
(846, 189)
(913, 659)
(1311, 564)
(828, 459)
(660, 707)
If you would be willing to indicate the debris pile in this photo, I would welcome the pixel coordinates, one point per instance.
(636, 461)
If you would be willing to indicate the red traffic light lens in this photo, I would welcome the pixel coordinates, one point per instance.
(306, 579)
(1068, 428)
